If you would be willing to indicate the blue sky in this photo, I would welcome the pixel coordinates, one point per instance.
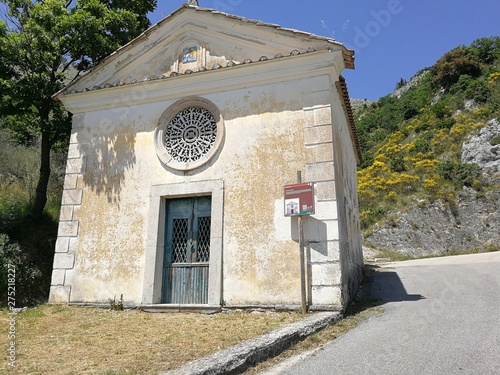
(393, 39)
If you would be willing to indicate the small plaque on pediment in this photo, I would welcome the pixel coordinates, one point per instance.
(189, 54)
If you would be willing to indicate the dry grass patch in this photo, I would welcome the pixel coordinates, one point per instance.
(53, 339)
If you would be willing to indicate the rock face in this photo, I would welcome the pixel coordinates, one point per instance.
(474, 223)
(398, 93)
(483, 150)
(358, 103)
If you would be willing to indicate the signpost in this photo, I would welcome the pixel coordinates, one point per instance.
(299, 201)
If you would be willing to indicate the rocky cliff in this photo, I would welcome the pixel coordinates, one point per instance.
(484, 150)
(429, 182)
(471, 222)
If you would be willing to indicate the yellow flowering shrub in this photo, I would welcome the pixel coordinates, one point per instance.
(427, 165)
(391, 196)
(431, 187)
(429, 184)
(396, 138)
(494, 78)
(408, 179)
(395, 150)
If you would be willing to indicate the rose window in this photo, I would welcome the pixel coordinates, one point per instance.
(190, 134)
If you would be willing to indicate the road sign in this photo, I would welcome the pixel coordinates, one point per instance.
(299, 199)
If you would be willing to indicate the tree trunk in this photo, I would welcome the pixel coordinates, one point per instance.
(43, 179)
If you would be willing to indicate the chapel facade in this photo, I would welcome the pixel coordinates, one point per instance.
(182, 143)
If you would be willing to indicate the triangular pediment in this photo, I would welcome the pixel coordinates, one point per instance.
(194, 39)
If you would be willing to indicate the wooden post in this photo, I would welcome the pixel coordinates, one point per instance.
(303, 291)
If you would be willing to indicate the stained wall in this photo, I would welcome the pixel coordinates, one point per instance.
(272, 130)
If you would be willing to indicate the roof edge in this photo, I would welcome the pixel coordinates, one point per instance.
(348, 54)
(346, 105)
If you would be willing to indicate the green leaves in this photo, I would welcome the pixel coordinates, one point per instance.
(420, 133)
(44, 38)
(458, 62)
(47, 43)
(487, 49)
(458, 173)
(93, 31)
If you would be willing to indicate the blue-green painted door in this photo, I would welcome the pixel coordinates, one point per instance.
(187, 251)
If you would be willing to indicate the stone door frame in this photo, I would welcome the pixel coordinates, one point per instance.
(155, 240)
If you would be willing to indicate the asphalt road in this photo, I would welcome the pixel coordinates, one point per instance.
(441, 316)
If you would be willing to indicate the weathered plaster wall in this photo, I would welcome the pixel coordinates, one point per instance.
(271, 132)
(351, 257)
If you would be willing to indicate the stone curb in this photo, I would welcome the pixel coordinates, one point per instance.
(237, 358)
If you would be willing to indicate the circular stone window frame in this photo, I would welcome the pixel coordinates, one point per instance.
(168, 115)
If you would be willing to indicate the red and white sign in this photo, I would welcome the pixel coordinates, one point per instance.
(299, 199)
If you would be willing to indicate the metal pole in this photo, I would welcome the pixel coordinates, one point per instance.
(303, 292)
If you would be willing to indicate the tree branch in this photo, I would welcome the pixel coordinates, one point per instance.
(9, 19)
(68, 64)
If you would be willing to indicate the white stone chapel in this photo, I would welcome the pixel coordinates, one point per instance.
(182, 143)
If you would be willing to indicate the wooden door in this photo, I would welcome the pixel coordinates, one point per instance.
(187, 251)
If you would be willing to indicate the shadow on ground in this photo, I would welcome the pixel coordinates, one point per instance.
(380, 286)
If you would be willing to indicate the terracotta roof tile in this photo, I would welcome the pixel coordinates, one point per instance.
(346, 104)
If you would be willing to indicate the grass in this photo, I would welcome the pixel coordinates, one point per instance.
(54, 339)
(59, 339)
(392, 255)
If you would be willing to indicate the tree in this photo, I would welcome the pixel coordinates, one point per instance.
(457, 62)
(3, 32)
(487, 49)
(401, 83)
(45, 44)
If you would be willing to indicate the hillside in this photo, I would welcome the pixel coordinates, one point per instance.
(430, 179)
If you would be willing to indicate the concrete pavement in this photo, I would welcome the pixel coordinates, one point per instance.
(442, 316)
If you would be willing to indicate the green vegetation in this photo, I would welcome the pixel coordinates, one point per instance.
(26, 244)
(43, 46)
(394, 256)
(412, 144)
(495, 141)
